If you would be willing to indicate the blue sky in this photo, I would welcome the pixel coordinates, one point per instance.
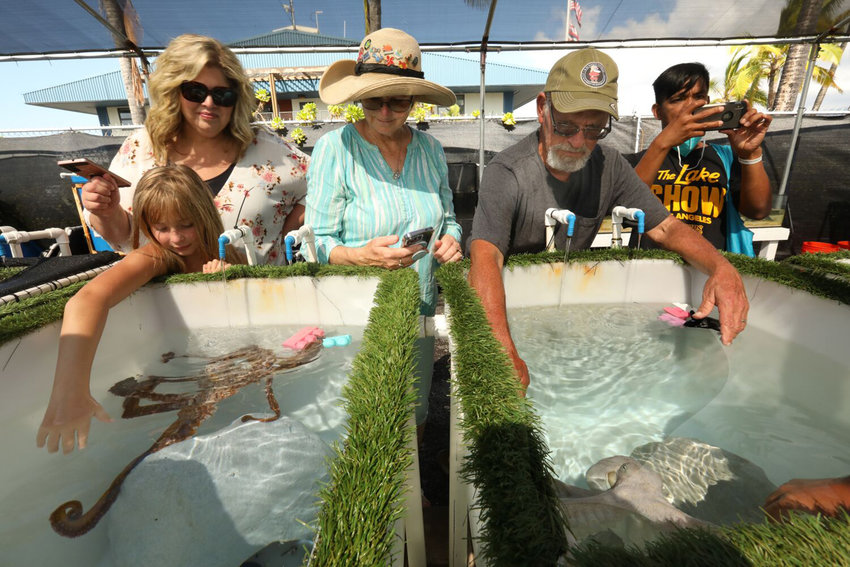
(452, 20)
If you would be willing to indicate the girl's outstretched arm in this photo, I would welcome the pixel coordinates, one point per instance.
(71, 406)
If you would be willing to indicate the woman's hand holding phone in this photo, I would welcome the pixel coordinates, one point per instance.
(100, 196)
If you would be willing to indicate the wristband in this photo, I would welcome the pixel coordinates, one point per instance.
(750, 161)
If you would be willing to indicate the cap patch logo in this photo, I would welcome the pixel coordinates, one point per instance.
(593, 75)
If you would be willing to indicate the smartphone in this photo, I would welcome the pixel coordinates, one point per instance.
(422, 237)
(730, 113)
(88, 169)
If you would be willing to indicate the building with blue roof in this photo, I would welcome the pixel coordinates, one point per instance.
(296, 76)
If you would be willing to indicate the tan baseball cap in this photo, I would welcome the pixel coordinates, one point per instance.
(585, 79)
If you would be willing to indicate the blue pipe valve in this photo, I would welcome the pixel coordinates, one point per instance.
(289, 242)
(639, 217)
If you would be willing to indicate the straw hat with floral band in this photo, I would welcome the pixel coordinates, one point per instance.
(388, 64)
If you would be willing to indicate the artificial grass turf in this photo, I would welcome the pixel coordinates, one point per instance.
(802, 541)
(508, 458)
(364, 497)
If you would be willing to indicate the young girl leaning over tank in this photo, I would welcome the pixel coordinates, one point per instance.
(174, 210)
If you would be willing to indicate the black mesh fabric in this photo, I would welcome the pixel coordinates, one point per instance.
(32, 196)
(45, 270)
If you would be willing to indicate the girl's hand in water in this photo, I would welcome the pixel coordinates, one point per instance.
(215, 266)
(68, 421)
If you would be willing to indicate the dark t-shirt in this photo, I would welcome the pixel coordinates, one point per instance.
(216, 183)
(517, 189)
(695, 192)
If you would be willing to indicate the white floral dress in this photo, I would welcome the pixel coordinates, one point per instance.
(261, 191)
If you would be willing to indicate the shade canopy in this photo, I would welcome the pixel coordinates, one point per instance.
(62, 28)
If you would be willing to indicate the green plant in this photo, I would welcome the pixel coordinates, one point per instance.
(508, 119)
(278, 125)
(454, 110)
(476, 113)
(420, 113)
(353, 113)
(262, 95)
(298, 136)
(307, 112)
(336, 111)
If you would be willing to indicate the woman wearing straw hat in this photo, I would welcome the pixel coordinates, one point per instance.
(371, 182)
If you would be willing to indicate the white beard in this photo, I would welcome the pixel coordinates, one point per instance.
(560, 162)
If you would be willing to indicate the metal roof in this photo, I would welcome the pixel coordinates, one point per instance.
(459, 72)
(292, 37)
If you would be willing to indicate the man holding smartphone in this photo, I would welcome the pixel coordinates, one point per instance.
(703, 184)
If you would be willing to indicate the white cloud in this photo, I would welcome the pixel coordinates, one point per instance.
(717, 18)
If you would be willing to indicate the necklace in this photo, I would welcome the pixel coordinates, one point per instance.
(400, 163)
(390, 156)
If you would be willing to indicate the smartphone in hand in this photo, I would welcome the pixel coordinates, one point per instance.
(730, 113)
(88, 169)
(421, 237)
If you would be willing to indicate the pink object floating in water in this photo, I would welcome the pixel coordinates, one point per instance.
(674, 316)
(671, 320)
(303, 338)
(677, 312)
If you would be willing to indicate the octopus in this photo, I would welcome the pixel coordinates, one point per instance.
(221, 378)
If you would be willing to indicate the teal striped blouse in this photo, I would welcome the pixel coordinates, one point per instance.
(353, 198)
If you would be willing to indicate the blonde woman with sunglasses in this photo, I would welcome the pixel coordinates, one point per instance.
(200, 117)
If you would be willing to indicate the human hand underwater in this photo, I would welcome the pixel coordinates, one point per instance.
(725, 289)
(812, 496)
(68, 422)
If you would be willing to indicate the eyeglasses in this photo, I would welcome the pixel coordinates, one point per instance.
(198, 92)
(394, 104)
(568, 129)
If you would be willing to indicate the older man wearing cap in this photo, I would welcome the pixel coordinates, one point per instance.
(561, 166)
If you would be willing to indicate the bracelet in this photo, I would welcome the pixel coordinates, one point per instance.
(750, 161)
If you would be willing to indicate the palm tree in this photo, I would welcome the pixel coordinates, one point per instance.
(801, 17)
(832, 68)
(372, 11)
(742, 78)
(795, 62)
(130, 75)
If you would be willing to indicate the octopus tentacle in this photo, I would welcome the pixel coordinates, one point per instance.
(69, 520)
(222, 377)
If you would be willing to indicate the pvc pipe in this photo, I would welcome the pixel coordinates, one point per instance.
(14, 238)
(618, 213)
(233, 236)
(554, 216)
(304, 237)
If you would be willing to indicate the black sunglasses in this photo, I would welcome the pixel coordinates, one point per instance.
(198, 92)
(394, 104)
